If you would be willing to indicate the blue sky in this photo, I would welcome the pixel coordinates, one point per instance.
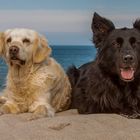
(65, 21)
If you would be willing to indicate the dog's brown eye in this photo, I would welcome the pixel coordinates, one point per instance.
(132, 40)
(9, 40)
(26, 40)
(119, 40)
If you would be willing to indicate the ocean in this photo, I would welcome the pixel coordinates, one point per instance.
(65, 55)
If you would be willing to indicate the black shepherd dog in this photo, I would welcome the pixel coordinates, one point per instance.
(111, 83)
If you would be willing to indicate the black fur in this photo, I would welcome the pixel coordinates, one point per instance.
(108, 85)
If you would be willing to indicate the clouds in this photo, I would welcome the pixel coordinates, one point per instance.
(46, 20)
(58, 20)
(65, 20)
(62, 26)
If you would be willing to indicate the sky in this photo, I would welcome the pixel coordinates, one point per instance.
(66, 22)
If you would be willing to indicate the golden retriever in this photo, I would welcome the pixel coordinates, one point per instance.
(36, 83)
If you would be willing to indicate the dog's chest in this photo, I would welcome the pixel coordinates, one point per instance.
(24, 92)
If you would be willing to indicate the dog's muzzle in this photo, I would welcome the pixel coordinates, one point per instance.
(13, 52)
(128, 59)
(128, 68)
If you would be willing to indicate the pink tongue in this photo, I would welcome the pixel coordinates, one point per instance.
(127, 74)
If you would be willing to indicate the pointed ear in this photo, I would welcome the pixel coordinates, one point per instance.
(100, 27)
(42, 50)
(137, 24)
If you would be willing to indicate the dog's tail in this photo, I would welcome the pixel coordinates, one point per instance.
(73, 74)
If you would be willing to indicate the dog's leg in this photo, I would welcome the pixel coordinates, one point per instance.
(42, 108)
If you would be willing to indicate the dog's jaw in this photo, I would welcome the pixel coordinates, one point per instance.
(127, 75)
(17, 62)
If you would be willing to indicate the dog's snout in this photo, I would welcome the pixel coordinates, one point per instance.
(128, 58)
(13, 50)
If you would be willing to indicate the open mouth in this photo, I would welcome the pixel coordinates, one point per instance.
(127, 74)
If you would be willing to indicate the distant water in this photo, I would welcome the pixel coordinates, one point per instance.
(65, 55)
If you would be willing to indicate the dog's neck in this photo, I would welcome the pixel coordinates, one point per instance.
(21, 73)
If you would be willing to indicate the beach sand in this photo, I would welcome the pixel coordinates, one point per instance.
(69, 125)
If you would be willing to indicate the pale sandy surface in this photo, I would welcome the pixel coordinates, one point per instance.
(69, 125)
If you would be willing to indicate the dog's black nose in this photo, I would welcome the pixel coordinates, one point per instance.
(13, 50)
(128, 58)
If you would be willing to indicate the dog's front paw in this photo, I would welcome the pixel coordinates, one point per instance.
(41, 112)
(9, 108)
(131, 116)
(5, 110)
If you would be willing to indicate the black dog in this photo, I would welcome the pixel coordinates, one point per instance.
(111, 83)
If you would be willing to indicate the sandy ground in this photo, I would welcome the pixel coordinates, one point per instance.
(69, 125)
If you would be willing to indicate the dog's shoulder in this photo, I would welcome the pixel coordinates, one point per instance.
(56, 67)
(49, 71)
(91, 71)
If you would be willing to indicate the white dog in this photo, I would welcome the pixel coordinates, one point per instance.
(35, 82)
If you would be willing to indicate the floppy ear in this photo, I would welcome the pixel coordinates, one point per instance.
(100, 27)
(1, 43)
(42, 51)
(137, 24)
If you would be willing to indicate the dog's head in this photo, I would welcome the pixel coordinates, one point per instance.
(23, 46)
(118, 49)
